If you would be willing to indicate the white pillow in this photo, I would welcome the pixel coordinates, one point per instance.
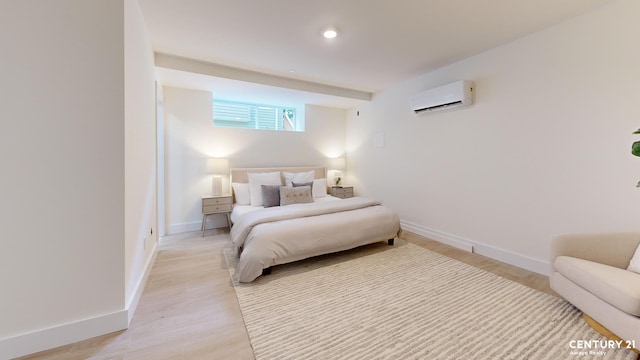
(319, 188)
(241, 191)
(634, 264)
(299, 178)
(256, 180)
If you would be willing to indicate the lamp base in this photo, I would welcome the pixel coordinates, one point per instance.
(216, 189)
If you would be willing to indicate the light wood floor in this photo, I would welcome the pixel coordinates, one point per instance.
(189, 310)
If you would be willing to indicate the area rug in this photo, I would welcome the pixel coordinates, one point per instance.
(406, 302)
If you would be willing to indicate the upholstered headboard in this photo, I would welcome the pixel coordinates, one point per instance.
(239, 175)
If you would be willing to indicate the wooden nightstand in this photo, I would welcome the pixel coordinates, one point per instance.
(216, 205)
(342, 192)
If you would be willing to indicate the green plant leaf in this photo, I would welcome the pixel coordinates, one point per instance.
(636, 132)
(638, 186)
(635, 148)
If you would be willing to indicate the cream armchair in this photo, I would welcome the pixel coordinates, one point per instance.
(589, 271)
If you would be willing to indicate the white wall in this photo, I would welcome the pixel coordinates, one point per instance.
(77, 145)
(190, 139)
(141, 230)
(545, 150)
(61, 254)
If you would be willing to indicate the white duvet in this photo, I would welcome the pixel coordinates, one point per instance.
(279, 235)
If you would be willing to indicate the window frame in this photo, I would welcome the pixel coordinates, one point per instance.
(254, 116)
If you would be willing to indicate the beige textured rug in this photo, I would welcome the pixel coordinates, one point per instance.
(406, 302)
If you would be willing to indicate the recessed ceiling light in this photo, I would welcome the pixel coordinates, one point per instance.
(330, 33)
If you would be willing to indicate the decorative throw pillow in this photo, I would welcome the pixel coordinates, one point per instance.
(295, 195)
(256, 180)
(310, 184)
(270, 195)
(634, 264)
(299, 177)
(241, 191)
(319, 188)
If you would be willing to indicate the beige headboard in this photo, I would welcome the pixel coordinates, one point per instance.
(239, 175)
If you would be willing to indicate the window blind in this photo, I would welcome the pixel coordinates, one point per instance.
(249, 116)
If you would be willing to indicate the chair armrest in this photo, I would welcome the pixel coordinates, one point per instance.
(615, 249)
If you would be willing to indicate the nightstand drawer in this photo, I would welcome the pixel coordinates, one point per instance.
(217, 201)
(342, 192)
(212, 209)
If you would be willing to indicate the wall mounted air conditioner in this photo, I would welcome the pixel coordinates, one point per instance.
(443, 97)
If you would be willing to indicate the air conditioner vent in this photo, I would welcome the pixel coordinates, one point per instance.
(451, 95)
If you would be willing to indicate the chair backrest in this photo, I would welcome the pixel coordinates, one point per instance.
(614, 249)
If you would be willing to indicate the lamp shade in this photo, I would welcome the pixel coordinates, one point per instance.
(217, 166)
(337, 164)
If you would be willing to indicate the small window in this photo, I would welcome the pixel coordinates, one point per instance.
(253, 116)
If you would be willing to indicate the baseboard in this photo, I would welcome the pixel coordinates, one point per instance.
(213, 222)
(506, 256)
(133, 303)
(440, 236)
(509, 257)
(173, 229)
(56, 336)
(53, 337)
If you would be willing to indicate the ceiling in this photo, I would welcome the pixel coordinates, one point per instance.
(379, 43)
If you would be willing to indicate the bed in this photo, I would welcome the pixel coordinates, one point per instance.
(265, 235)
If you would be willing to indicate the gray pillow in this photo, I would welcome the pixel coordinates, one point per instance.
(295, 195)
(304, 184)
(270, 195)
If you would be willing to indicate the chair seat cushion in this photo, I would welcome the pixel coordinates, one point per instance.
(618, 287)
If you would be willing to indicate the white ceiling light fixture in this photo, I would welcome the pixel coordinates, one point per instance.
(330, 33)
